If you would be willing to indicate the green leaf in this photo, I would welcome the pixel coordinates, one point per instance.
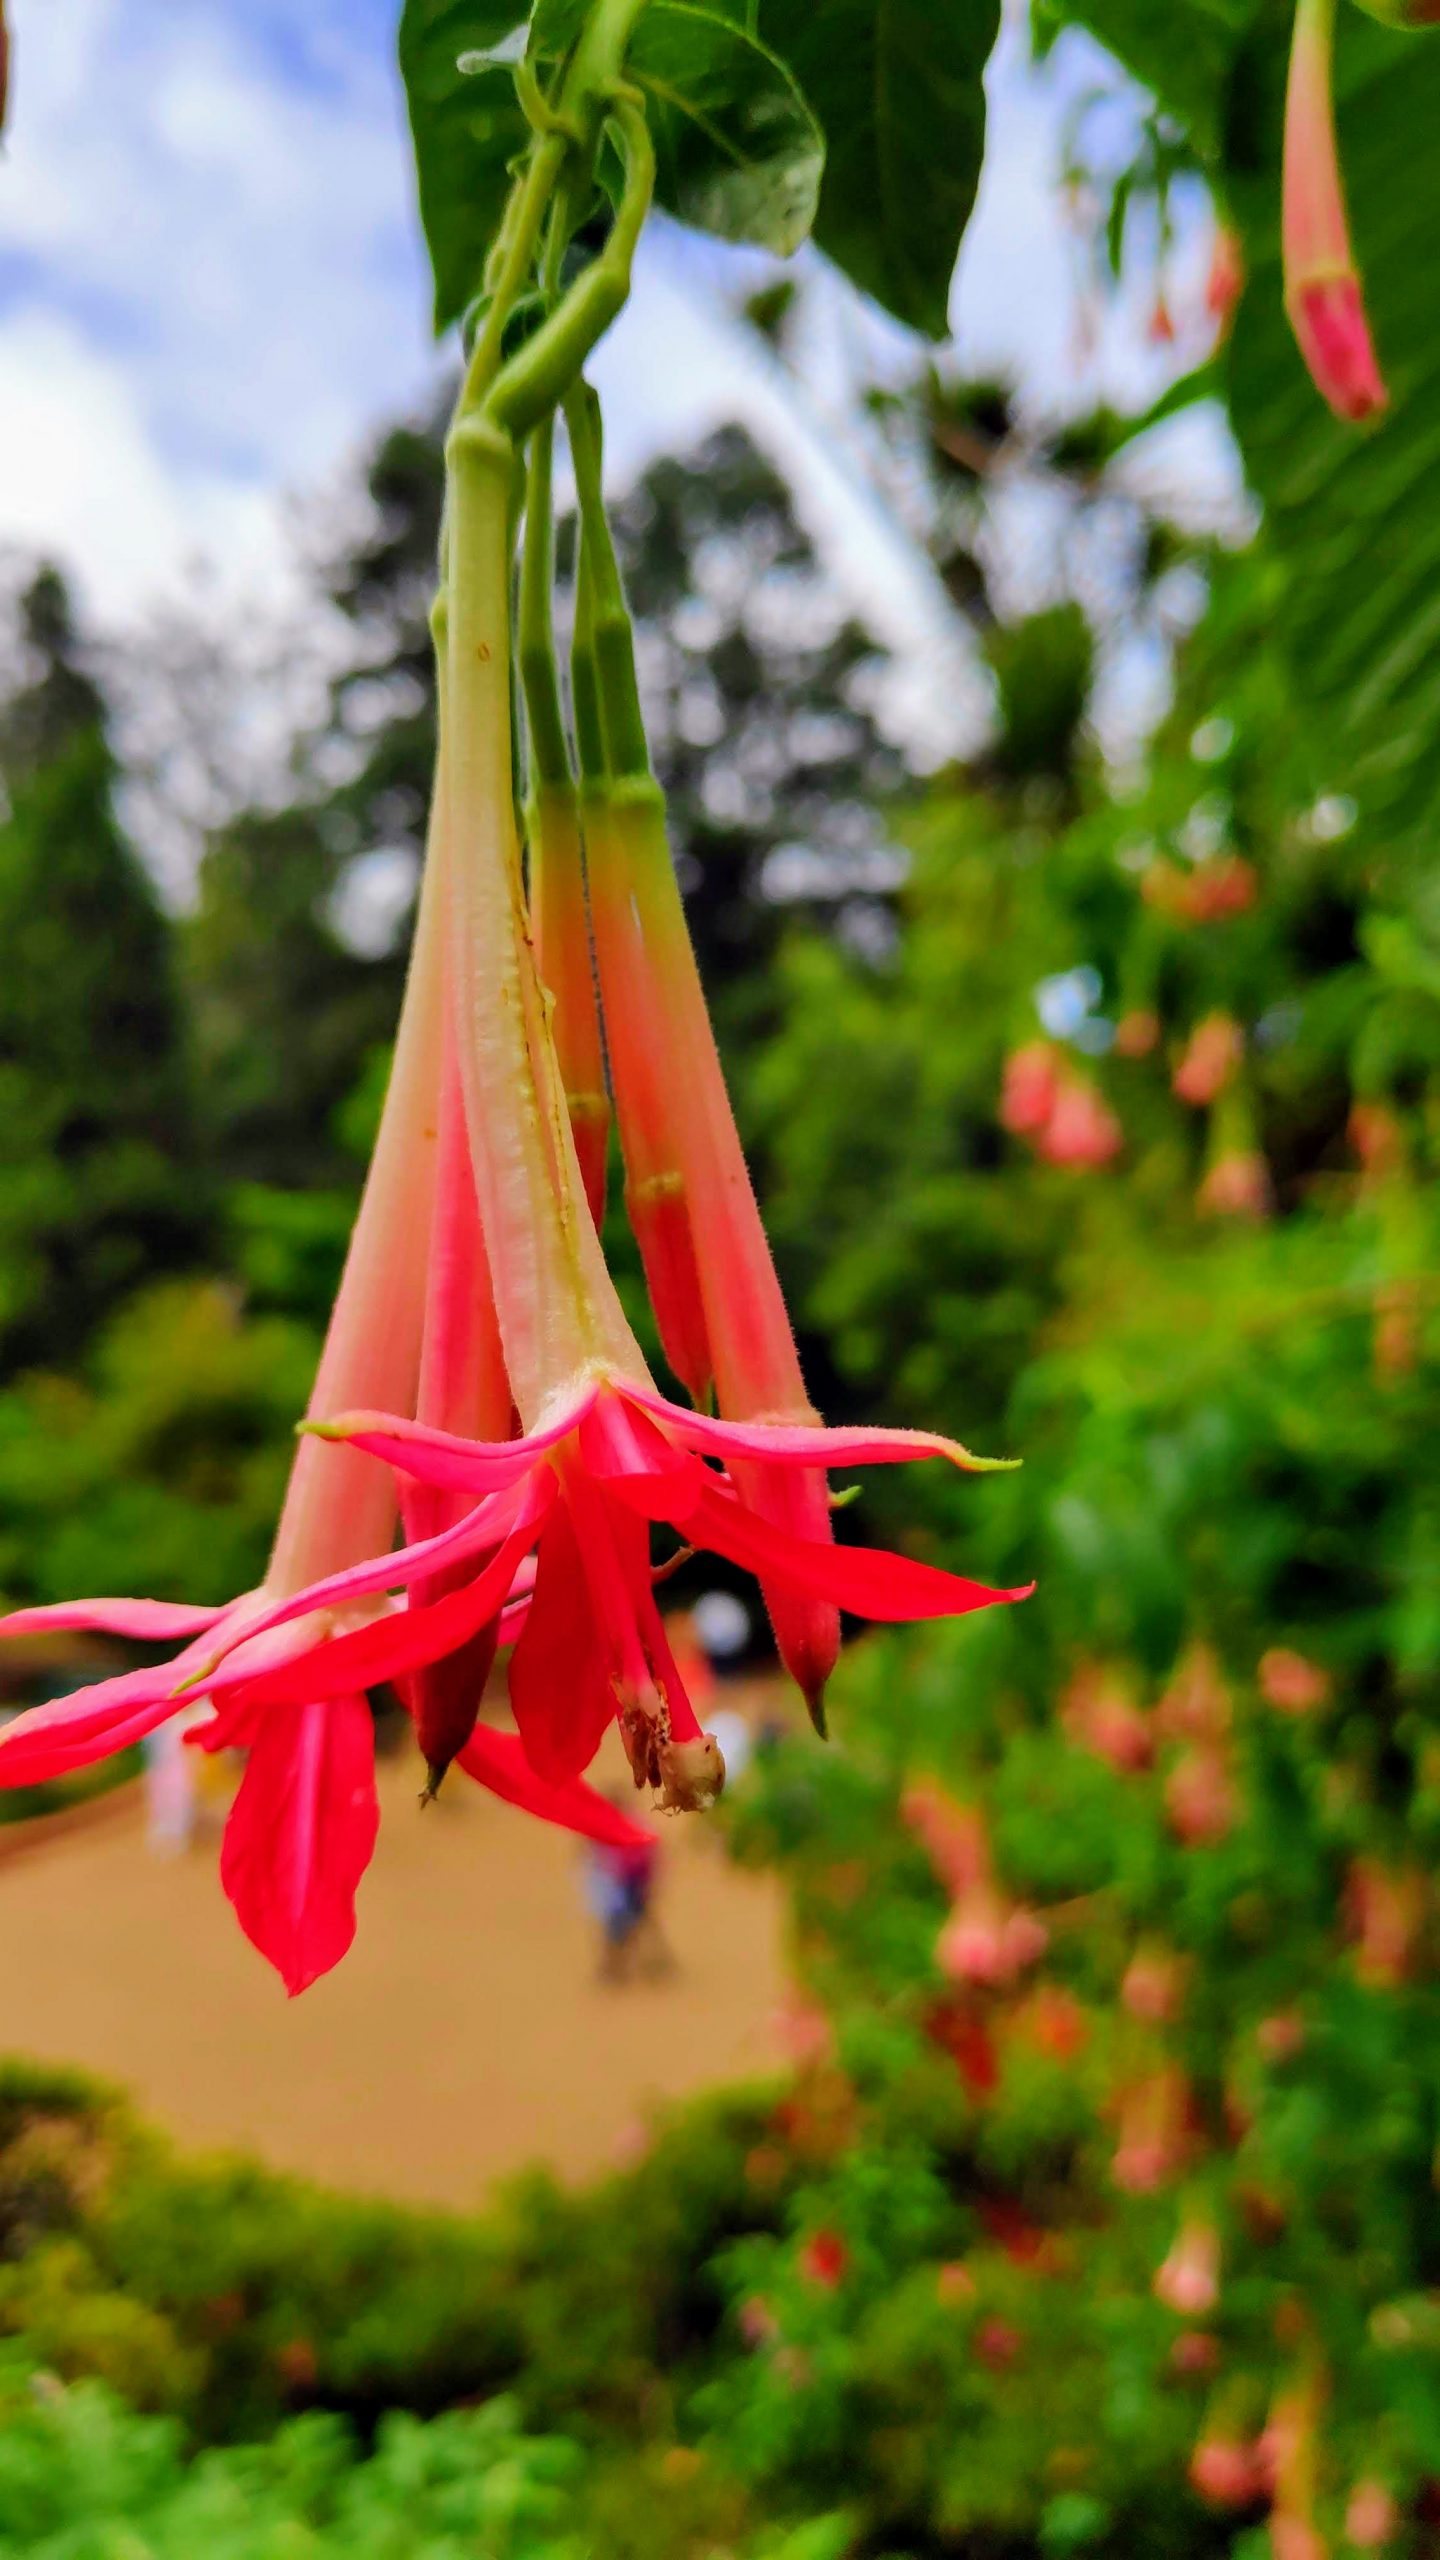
(1352, 516)
(467, 128)
(896, 85)
(738, 152)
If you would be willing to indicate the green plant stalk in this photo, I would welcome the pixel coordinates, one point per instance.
(611, 636)
(572, 128)
(549, 756)
(559, 907)
(537, 377)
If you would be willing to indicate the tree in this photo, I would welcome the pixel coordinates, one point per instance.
(99, 1177)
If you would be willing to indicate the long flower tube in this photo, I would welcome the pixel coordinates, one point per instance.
(1323, 293)
(557, 863)
(712, 1278)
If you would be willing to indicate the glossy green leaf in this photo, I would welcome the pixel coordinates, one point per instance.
(467, 128)
(896, 85)
(738, 151)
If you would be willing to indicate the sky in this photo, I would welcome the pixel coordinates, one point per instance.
(212, 289)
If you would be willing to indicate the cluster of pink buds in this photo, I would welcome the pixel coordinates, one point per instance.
(1048, 1102)
(988, 1939)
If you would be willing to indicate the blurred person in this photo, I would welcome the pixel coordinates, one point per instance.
(619, 1890)
(170, 1788)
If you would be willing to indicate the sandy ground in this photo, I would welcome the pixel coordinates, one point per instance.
(464, 2036)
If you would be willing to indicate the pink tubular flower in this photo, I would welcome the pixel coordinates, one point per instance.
(1322, 286)
(1082, 1131)
(1372, 2517)
(1212, 1055)
(1029, 1092)
(1226, 2471)
(1290, 1683)
(1237, 1185)
(302, 1829)
(562, 952)
(1188, 2281)
(583, 1491)
(712, 1280)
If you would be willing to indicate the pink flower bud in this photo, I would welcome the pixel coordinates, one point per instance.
(1372, 2517)
(1188, 2281)
(1082, 1131)
(1031, 1084)
(1200, 1797)
(1226, 2472)
(1153, 1986)
(1211, 1057)
(1322, 286)
(1290, 1683)
(1237, 1185)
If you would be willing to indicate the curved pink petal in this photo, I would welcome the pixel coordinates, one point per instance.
(559, 1685)
(798, 1444)
(482, 1527)
(394, 1645)
(868, 1581)
(442, 1457)
(50, 1740)
(619, 1442)
(146, 1621)
(499, 1762)
(301, 1834)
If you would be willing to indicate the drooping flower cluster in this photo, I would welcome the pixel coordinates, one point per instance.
(480, 1380)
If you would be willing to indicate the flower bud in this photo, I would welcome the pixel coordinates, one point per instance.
(1322, 286)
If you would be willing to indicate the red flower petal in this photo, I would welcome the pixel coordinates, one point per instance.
(382, 1651)
(807, 1444)
(559, 1679)
(147, 1621)
(301, 1834)
(440, 1457)
(482, 1527)
(499, 1761)
(868, 1581)
(49, 1741)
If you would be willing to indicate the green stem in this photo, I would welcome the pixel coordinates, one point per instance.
(537, 377)
(539, 678)
(586, 96)
(612, 639)
(584, 689)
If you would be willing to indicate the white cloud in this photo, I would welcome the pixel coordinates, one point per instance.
(211, 285)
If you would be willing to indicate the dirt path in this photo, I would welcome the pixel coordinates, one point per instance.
(464, 2036)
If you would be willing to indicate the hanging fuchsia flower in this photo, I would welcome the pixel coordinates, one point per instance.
(302, 1829)
(583, 1491)
(712, 1279)
(1323, 293)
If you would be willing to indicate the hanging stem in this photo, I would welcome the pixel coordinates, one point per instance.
(611, 638)
(539, 679)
